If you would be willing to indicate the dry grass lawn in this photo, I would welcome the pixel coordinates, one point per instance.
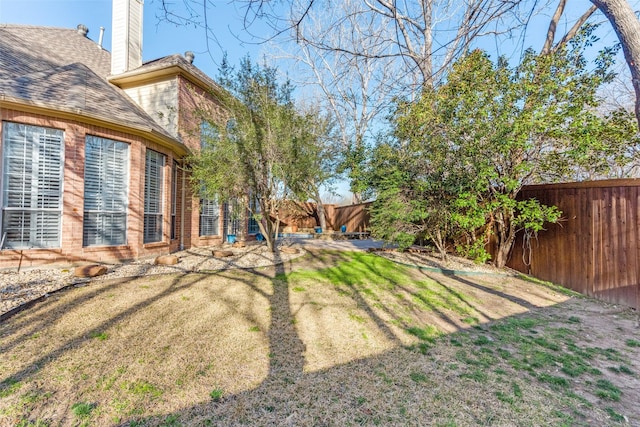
(332, 339)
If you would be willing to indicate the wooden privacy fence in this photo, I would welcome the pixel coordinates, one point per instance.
(595, 249)
(354, 217)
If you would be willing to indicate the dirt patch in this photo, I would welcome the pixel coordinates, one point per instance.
(333, 338)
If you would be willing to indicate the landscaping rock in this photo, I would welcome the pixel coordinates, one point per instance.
(166, 260)
(289, 250)
(90, 270)
(222, 254)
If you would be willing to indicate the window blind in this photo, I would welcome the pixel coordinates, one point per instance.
(33, 161)
(106, 195)
(174, 200)
(153, 180)
(209, 217)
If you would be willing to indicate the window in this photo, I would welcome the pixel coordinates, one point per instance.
(209, 133)
(253, 224)
(33, 161)
(232, 214)
(106, 177)
(209, 217)
(209, 208)
(153, 180)
(174, 200)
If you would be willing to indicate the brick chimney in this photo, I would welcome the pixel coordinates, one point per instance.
(126, 36)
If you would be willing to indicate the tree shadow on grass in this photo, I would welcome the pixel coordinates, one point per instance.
(178, 283)
(366, 391)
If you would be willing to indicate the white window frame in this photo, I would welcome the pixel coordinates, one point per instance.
(106, 198)
(209, 224)
(41, 213)
(174, 200)
(153, 208)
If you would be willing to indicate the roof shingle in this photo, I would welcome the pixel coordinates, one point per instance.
(63, 70)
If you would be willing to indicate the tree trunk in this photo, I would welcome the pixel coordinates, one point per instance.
(321, 216)
(627, 27)
(439, 240)
(506, 237)
(267, 232)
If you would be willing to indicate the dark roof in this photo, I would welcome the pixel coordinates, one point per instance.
(63, 70)
(25, 49)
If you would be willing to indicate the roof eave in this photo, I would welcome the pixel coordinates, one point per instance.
(130, 78)
(93, 119)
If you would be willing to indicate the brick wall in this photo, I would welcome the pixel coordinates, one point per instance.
(71, 250)
(196, 104)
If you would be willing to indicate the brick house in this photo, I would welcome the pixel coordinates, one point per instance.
(93, 144)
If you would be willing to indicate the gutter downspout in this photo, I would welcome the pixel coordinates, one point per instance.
(182, 209)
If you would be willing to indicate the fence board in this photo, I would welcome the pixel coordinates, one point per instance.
(595, 249)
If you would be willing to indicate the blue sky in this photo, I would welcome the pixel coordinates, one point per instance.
(161, 38)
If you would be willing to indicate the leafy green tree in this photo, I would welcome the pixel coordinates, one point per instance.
(319, 161)
(491, 129)
(262, 153)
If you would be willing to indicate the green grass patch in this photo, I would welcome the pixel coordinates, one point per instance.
(482, 340)
(504, 397)
(626, 370)
(429, 333)
(418, 377)
(357, 318)
(511, 329)
(9, 386)
(142, 388)
(574, 319)
(454, 341)
(505, 354)
(82, 409)
(555, 381)
(607, 391)
(632, 343)
(356, 268)
(478, 375)
(102, 336)
(298, 289)
(614, 415)
(433, 295)
(566, 419)
(216, 394)
(517, 391)
(543, 342)
(29, 423)
(510, 398)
